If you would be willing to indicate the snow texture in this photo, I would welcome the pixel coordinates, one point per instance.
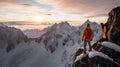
(33, 33)
(111, 45)
(100, 54)
(95, 53)
(79, 57)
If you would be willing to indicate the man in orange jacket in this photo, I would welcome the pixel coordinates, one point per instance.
(87, 36)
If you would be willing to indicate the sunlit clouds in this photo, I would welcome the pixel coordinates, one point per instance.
(56, 10)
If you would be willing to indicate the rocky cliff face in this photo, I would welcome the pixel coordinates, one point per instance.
(113, 26)
(106, 55)
(101, 56)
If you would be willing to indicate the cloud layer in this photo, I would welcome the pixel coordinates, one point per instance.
(92, 8)
(21, 10)
(57, 9)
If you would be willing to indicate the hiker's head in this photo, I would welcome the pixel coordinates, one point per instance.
(88, 24)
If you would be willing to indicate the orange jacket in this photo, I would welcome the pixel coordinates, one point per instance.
(87, 34)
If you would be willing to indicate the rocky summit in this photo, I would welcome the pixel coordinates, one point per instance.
(113, 26)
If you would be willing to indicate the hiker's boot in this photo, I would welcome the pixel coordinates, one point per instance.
(84, 52)
(90, 49)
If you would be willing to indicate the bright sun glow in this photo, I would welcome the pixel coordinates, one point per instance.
(38, 19)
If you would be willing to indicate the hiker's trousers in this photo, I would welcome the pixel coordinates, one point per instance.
(85, 44)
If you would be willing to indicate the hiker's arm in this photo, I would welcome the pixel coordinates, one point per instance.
(83, 34)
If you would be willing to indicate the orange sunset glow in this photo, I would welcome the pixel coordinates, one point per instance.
(56, 10)
(38, 19)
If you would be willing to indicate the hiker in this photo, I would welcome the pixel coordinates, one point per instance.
(87, 36)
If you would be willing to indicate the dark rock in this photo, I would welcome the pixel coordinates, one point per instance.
(78, 52)
(115, 55)
(103, 36)
(85, 61)
(77, 64)
(102, 62)
(97, 46)
(97, 60)
(113, 26)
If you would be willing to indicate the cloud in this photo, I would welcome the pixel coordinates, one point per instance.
(14, 7)
(96, 15)
(82, 7)
(57, 9)
(13, 4)
(44, 14)
(5, 0)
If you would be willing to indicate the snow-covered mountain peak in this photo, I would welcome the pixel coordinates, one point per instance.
(2, 25)
(64, 24)
(87, 21)
(63, 27)
(93, 25)
(33, 33)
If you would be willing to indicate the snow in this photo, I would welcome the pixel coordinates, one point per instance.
(24, 55)
(32, 54)
(100, 54)
(2, 54)
(95, 53)
(33, 33)
(79, 57)
(111, 45)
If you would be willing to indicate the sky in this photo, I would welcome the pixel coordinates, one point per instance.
(75, 11)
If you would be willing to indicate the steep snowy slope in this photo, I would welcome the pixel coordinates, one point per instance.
(24, 55)
(35, 55)
(56, 35)
(10, 36)
(33, 33)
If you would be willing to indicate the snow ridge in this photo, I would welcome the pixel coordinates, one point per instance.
(111, 45)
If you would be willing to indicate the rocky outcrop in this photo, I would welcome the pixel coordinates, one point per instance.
(115, 55)
(97, 61)
(10, 37)
(112, 27)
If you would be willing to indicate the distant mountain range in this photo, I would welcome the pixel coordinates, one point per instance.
(55, 41)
